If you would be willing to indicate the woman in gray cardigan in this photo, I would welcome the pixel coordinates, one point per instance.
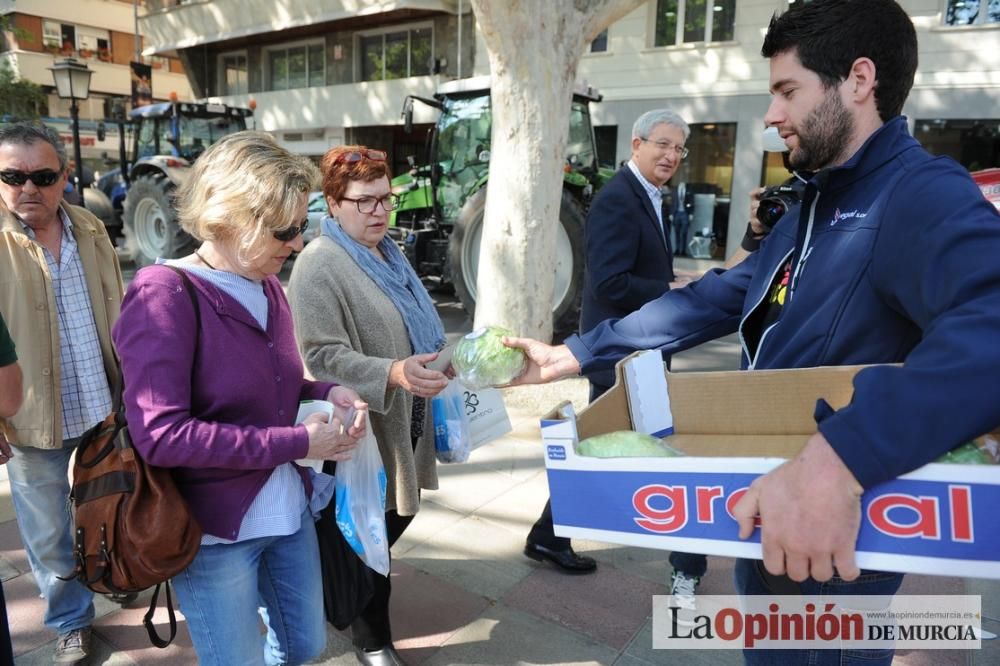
(364, 320)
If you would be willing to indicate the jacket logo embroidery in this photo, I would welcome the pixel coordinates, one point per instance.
(838, 216)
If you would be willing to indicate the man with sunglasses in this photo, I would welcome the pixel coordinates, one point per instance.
(60, 293)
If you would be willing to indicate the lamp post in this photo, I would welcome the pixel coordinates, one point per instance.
(72, 79)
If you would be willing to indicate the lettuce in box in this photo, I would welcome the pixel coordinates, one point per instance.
(625, 444)
(481, 359)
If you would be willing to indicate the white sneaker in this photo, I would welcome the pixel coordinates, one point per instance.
(984, 635)
(683, 589)
(73, 647)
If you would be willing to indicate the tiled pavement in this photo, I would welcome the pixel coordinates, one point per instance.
(462, 591)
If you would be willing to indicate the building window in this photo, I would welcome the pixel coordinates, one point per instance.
(82, 41)
(606, 137)
(396, 54)
(600, 43)
(686, 21)
(233, 74)
(299, 66)
(975, 143)
(972, 12)
(707, 174)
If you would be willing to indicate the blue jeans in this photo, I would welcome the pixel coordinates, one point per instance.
(227, 585)
(39, 486)
(751, 580)
(690, 564)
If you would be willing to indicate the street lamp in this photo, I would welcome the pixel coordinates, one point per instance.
(72, 79)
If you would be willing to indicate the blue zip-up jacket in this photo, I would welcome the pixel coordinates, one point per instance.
(895, 259)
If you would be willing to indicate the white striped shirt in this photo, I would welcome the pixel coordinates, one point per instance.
(277, 508)
(652, 191)
(83, 382)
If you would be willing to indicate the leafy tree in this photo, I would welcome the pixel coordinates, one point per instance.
(19, 99)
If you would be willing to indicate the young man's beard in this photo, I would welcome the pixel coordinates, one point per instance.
(824, 135)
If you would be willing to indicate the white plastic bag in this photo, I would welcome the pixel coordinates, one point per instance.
(361, 503)
(452, 443)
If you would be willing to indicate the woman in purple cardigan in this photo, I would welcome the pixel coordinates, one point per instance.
(214, 393)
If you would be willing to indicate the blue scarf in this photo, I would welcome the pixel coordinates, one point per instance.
(397, 280)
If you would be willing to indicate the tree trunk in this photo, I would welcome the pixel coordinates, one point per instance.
(534, 49)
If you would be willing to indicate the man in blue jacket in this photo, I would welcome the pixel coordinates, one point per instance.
(891, 259)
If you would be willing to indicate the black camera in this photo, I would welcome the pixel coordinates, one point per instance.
(775, 201)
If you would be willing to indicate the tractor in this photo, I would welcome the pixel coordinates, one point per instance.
(167, 138)
(439, 222)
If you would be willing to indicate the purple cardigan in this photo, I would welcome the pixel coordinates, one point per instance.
(222, 416)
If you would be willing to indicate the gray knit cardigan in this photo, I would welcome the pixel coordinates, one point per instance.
(349, 332)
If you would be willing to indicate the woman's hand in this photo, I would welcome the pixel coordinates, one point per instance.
(326, 441)
(411, 375)
(348, 409)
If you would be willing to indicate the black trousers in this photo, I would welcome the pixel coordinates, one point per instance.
(371, 630)
(543, 532)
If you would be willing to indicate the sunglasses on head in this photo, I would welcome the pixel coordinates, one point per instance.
(290, 233)
(355, 156)
(40, 178)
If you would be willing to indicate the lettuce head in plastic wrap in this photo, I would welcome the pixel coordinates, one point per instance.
(481, 359)
(625, 444)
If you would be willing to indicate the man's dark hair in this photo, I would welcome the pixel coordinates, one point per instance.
(829, 35)
(28, 133)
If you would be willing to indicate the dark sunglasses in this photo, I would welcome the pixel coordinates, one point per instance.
(291, 232)
(40, 178)
(357, 155)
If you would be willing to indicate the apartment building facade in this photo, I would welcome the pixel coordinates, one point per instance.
(99, 33)
(324, 72)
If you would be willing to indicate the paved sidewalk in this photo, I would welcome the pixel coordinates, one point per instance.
(463, 593)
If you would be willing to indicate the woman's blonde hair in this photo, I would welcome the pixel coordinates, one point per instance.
(241, 190)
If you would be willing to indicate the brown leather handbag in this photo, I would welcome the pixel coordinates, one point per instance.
(133, 528)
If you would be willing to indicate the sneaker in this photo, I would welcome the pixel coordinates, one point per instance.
(73, 647)
(683, 589)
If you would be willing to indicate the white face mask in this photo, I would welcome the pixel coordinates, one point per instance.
(773, 143)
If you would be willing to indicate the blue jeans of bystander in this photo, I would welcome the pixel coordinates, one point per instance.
(229, 587)
(39, 486)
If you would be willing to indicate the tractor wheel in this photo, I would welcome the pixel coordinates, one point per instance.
(463, 256)
(151, 228)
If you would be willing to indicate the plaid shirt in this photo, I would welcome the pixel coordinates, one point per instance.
(86, 396)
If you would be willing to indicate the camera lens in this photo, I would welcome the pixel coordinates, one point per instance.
(770, 211)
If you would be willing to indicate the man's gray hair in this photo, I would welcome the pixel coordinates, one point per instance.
(643, 127)
(26, 134)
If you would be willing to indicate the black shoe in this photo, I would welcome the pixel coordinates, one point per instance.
(386, 656)
(566, 560)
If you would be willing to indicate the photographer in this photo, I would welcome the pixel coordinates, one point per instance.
(778, 200)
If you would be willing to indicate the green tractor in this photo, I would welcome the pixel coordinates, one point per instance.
(168, 138)
(439, 221)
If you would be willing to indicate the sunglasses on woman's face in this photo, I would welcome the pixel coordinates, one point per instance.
(356, 156)
(40, 178)
(290, 233)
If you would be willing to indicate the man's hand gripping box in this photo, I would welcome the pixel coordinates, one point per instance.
(734, 426)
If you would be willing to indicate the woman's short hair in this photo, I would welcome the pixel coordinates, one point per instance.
(338, 173)
(242, 189)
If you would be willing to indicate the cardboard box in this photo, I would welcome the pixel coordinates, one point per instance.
(940, 519)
